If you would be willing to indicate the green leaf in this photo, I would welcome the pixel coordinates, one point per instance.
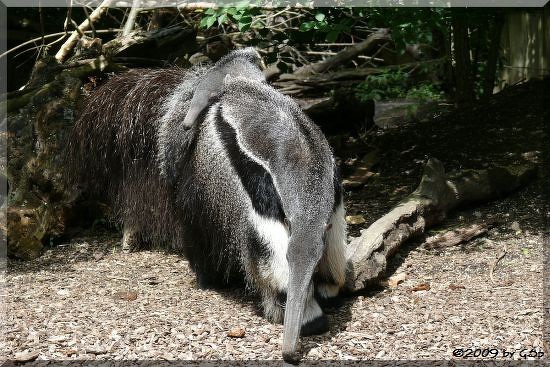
(210, 21)
(246, 19)
(306, 26)
(243, 27)
(320, 17)
(323, 26)
(222, 19)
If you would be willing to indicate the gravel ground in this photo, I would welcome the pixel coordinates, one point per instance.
(86, 299)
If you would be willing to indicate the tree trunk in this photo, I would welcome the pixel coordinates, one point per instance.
(492, 58)
(463, 67)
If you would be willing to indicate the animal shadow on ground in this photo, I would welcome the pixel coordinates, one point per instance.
(338, 312)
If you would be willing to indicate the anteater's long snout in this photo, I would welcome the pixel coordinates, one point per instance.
(303, 257)
(297, 296)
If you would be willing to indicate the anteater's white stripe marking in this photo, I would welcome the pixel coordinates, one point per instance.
(275, 236)
(230, 119)
(272, 232)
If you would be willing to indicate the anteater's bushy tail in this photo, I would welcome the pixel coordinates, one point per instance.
(113, 151)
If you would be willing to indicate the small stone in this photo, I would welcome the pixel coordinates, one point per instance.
(26, 356)
(355, 219)
(63, 292)
(236, 333)
(126, 295)
(421, 287)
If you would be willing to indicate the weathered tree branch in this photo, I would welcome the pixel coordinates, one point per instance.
(345, 55)
(456, 236)
(437, 194)
(131, 21)
(71, 42)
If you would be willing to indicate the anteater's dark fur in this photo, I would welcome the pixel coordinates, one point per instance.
(113, 153)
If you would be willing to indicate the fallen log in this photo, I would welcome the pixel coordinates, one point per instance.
(296, 84)
(436, 195)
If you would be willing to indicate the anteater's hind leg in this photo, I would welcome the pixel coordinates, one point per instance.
(273, 276)
(131, 240)
(331, 272)
(209, 272)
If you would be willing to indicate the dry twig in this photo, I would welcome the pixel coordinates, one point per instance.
(499, 257)
(131, 21)
(69, 44)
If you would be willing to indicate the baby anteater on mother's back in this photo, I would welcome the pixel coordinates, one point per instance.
(244, 63)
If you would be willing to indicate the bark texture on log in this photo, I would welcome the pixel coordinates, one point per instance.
(437, 194)
(35, 140)
(456, 236)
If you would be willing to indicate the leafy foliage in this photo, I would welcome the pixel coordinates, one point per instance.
(328, 24)
(396, 84)
(241, 16)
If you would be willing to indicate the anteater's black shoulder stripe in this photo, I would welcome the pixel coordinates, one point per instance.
(256, 180)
